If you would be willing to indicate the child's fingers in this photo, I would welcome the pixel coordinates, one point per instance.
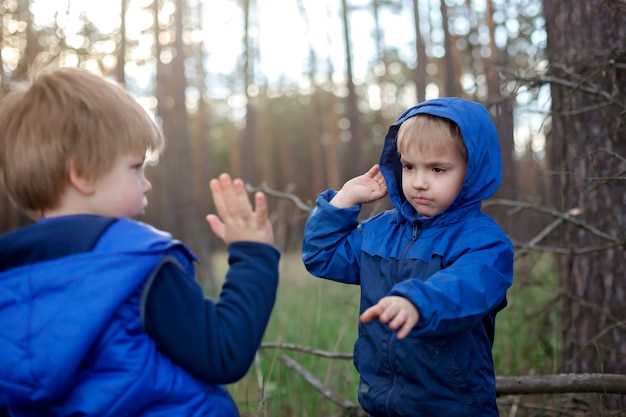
(371, 313)
(390, 311)
(406, 328)
(260, 207)
(218, 198)
(216, 226)
(229, 196)
(397, 321)
(373, 171)
(242, 201)
(404, 331)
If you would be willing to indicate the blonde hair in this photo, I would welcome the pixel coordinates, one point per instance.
(425, 131)
(67, 115)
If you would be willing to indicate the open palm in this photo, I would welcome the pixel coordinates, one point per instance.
(367, 187)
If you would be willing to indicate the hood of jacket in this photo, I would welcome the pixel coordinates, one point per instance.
(483, 174)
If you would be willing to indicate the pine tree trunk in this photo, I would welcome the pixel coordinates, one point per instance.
(355, 148)
(451, 87)
(588, 150)
(120, 74)
(420, 53)
(248, 141)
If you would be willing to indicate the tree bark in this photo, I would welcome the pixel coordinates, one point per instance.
(451, 73)
(420, 54)
(314, 123)
(31, 48)
(356, 140)
(248, 140)
(588, 86)
(502, 107)
(121, 52)
(2, 74)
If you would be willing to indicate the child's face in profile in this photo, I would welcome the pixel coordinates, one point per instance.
(121, 192)
(432, 177)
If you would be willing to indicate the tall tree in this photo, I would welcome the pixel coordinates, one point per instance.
(248, 142)
(331, 144)
(420, 54)
(120, 64)
(473, 53)
(202, 119)
(178, 212)
(3, 10)
(503, 106)
(314, 123)
(352, 103)
(588, 85)
(450, 68)
(32, 48)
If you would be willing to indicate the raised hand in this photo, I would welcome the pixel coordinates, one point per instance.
(236, 219)
(398, 313)
(362, 189)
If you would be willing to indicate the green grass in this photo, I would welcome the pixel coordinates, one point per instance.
(323, 315)
(527, 333)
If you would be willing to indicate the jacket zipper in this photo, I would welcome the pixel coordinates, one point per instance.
(416, 229)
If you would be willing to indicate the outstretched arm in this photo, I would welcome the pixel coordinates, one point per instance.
(216, 342)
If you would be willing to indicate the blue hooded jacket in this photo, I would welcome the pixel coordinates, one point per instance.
(72, 341)
(455, 267)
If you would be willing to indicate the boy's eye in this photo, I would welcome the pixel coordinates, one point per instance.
(439, 170)
(407, 166)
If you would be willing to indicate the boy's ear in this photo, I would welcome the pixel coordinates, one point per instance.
(82, 184)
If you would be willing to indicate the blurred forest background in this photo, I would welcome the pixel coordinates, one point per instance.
(296, 96)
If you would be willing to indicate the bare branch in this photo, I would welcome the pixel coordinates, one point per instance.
(549, 79)
(555, 213)
(305, 349)
(561, 251)
(539, 237)
(318, 385)
(594, 339)
(280, 194)
(561, 384)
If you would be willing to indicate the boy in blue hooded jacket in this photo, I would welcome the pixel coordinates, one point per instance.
(100, 314)
(433, 271)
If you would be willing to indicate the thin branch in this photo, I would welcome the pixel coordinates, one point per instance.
(586, 109)
(595, 307)
(280, 194)
(606, 178)
(539, 237)
(594, 339)
(561, 384)
(560, 250)
(318, 385)
(547, 79)
(305, 349)
(555, 213)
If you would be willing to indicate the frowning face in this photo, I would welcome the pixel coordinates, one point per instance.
(432, 177)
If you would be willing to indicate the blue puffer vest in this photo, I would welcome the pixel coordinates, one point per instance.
(72, 341)
(454, 267)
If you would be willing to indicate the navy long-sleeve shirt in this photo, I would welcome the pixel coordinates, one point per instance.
(214, 341)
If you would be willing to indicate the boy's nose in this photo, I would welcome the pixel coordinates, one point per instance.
(147, 186)
(419, 182)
